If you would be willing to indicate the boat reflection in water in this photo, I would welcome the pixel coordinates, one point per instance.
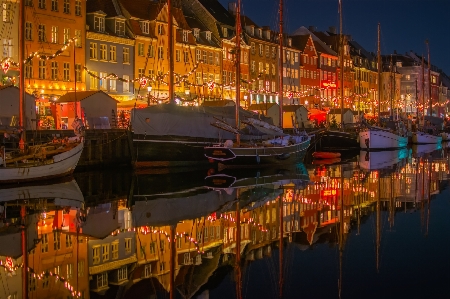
(222, 235)
(380, 160)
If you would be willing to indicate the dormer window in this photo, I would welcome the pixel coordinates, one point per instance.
(145, 27)
(99, 24)
(208, 35)
(268, 34)
(290, 42)
(252, 31)
(120, 28)
(160, 29)
(260, 32)
(196, 32)
(225, 32)
(185, 36)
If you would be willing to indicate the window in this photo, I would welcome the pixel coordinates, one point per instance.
(66, 35)
(55, 77)
(42, 68)
(69, 271)
(78, 7)
(102, 280)
(126, 84)
(141, 73)
(7, 48)
(126, 55)
(93, 50)
(253, 66)
(28, 70)
(186, 56)
(152, 247)
(95, 252)
(99, 24)
(225, 32)
(54, 5)
(66, 77)
(185, 36)
(44, 283)
(160, 29)
(31, 282)
(177, 55)
(81, 268)
(198, 55)
(78, 38)
(66, 6)
(7, 12)
(205, 56)
(210, 56)
(274, 53)
(42, 4)
(112, 84)
(127, 245)
(120, 28)
(28, 31)
(105, 252)
(140, 49)
(122, 273)
(56, 235)
(208, 35)
(196, 32)
(217, 58)
(102, 52)
(78, 72)
(160, 53)
(267, 51)
(44, 241)
(145, 27)
(252, 45)
(162, 266)
(112, 53)
(147, 270)
(55, 34)
(261, 50)
(408, 77)
(115, 245)
(93, 83)
(29, 3)
(41, 33)
(103, 80)
(151, 51)
(161, 245)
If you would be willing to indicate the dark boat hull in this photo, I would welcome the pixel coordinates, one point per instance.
(338, 140)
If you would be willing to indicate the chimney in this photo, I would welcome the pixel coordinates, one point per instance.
(332, 29)
(232, 8)
(312, 28)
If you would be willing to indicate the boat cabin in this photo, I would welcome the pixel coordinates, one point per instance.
(295, 114)
(348, 115)
(9, 108)
(271, 110)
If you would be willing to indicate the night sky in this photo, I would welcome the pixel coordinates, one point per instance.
(405, 24)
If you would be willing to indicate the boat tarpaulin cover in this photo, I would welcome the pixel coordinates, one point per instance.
(173, 120)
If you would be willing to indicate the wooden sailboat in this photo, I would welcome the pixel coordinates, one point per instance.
(376, 138)
(55, 159)
(426, 135)
(281, 149)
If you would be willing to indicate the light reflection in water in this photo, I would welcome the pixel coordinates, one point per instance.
(81, 244)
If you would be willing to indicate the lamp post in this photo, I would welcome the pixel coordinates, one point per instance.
(149, 89)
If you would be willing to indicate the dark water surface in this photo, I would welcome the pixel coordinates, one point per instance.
(371, 225)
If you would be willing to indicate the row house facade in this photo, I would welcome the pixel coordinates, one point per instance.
(109, 50)
(10, 39)
(291, 72)
(49, 27)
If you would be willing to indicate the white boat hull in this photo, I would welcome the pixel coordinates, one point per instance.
(381, 140)
(445, 136)
(381, 159)
(63, 164)
(424, 138)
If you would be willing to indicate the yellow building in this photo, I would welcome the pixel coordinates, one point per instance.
(57, 64)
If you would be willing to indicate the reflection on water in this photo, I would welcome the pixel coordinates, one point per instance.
(363, 228)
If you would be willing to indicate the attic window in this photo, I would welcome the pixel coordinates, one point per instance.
(145, 27)
(225, 32)
(260, 32)
(208, 35)
(268, 34)
(290, 42)
(99, 24)
(196, 32)
(398, 64)
(120, 28)
(252, 31)
(185, 36)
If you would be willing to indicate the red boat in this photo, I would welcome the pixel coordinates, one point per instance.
(325, 155)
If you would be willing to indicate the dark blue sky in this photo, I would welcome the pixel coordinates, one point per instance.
(405, 24)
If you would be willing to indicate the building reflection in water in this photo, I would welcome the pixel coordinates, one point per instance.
(80, 244)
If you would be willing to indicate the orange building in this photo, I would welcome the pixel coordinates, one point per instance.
(57, 63)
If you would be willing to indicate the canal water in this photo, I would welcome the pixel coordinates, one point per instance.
(367, 225)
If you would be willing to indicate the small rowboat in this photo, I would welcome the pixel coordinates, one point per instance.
(325, 155)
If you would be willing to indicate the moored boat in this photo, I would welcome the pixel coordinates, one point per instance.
(325, 155)
(375, 138)
(425, 138)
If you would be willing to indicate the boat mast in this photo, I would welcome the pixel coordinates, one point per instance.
(238, 250)
(379, 75)
(391, 88)
(22, 97)
(423, 92)
(280, 65)
(23, 215)
(429, 79)
(238, 68)
(173, 254)
(170, 45)
(342, 42)
(378, 217)
(281, 215)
